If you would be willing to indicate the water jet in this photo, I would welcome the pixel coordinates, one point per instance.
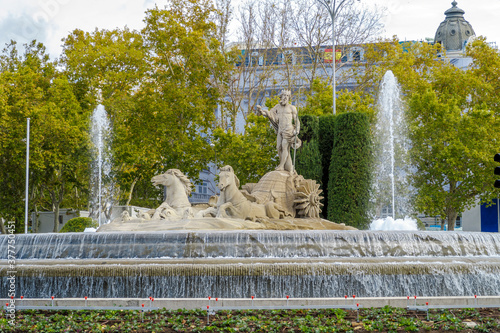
(100, 183)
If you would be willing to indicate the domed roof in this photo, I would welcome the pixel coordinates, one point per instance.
(454, 31)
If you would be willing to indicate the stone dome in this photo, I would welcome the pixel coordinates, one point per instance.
(454, 31)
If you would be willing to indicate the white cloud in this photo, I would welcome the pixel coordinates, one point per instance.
(49, 21)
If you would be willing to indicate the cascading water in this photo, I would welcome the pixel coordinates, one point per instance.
(260, 263)
(101, 179)
(391, 189)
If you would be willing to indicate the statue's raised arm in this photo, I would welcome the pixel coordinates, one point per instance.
(260, 111)
(285, 120)
(269, 114)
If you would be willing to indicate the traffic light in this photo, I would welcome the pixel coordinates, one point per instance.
(497, 170)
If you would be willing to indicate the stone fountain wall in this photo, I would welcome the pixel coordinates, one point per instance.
(259, 263)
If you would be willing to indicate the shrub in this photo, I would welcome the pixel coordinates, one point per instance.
(350, 176)
(325, 145)
(78, 224)
(420, 224)
(308, 161)
(309, 127)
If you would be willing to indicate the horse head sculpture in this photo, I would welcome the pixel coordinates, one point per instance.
(173, 177)
(178, 190)
(233, 204)
(227, 178)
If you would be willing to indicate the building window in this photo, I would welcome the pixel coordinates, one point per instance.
(386, 211)
(202, 188)
(356, 55)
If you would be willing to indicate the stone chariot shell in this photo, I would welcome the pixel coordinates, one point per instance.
(294, 194)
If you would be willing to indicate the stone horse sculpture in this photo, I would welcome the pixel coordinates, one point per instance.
(233, 203)
(176, 205)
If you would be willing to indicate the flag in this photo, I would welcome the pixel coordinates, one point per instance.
(328, 55)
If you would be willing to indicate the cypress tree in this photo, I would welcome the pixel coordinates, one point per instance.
(308, 159)
(308, 127)
(350, 176)
(325, 145)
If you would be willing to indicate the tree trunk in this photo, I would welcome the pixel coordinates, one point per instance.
(2, 226)
(442, 224)
(35, 221)
(452, 219)
(451, 212)
(56, 203)
(130, 193)
(56, 217)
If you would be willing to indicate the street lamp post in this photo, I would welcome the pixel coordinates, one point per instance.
(333, 9)
(27, 175)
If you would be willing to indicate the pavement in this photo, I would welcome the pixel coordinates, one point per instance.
(201, 303)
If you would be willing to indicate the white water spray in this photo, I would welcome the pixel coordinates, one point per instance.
(101, 182)
(389, 223)
(391, 186)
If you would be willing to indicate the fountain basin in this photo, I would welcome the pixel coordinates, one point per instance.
(237, 264)
(253, 244)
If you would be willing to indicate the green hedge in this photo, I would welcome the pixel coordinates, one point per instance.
(325, 145)
(78, 224)
(350, 176)
(309, 127)
(308, 159)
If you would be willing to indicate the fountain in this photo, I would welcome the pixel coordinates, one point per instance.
(101, 184)
(391, 181)
(391, 188)
(236, 264)
(185, 259)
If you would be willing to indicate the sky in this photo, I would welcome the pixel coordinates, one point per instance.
(418, 19)
(49, 21)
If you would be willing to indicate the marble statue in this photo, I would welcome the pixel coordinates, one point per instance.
(281, 200)
(125, 216)
(284, 118)
(176, 204)
(233, 203)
